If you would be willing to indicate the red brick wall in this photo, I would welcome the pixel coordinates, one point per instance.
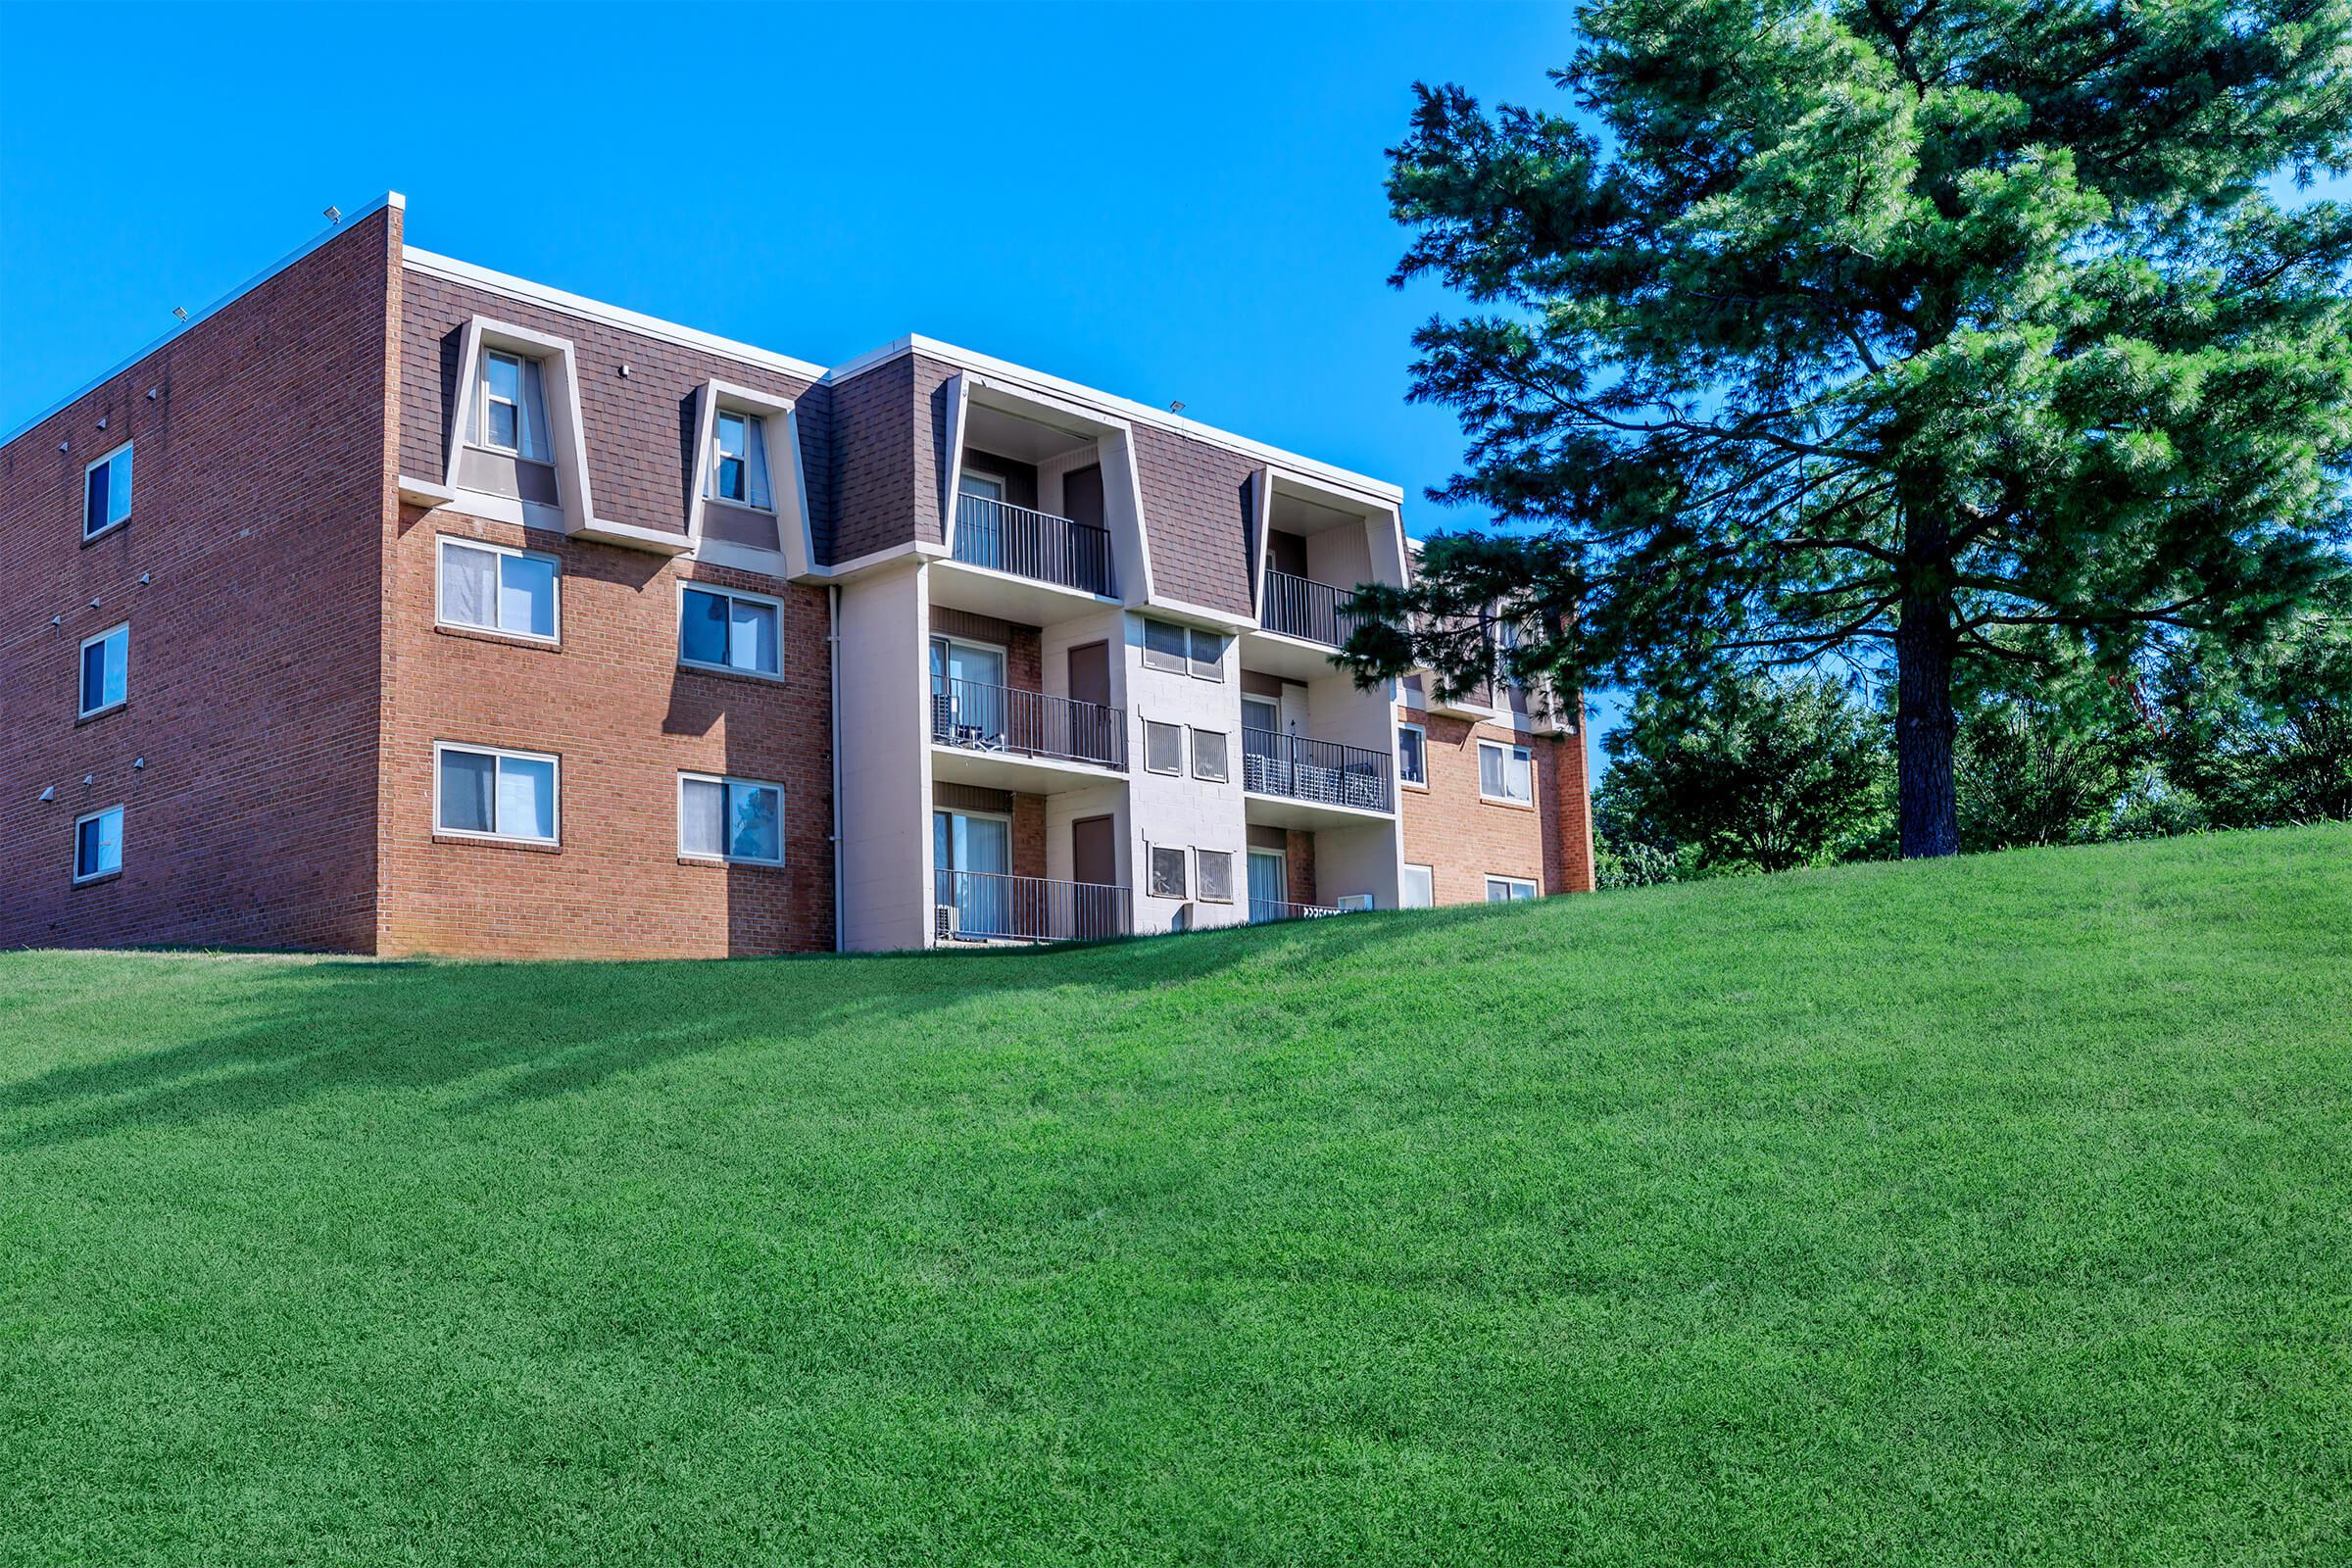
(1298, 865)
(259, 495)
(612, 702)
(1464, 839)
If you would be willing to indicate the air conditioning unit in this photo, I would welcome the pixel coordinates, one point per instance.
(943, 924)
(1348, 901)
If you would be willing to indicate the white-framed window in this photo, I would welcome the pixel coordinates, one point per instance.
(725, 628)
(1165, 646)
(1412, 754)
(98, 844)
(105, 670)
(1210, 759)
(485, 792)
(106, 492)
(1419, 889)
(1168, 872)
(494, 588)
(733, 819)
(1207, 655)
(513, 405)
(739, 460)
(1508, 889)
(1505, 773)
(980, 483)
(1217, 875)
(1163, 747)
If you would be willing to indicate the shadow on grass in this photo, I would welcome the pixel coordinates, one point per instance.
(535, 1031)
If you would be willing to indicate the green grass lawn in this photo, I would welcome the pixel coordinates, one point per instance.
(1994, 1211)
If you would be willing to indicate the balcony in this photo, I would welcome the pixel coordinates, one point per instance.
(1311, 610)
(990, 907)
(1307, 783)
(1006, 738)
(1021, 542)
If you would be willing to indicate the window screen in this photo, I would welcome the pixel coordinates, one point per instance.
(1208, 756)
(1167, 874)
(1163, 747)
(1208, 655)
(1163, 645)
(1217, 875)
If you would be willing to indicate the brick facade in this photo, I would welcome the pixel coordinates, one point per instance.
(1464, 837)
(258, 498)
(289, 679)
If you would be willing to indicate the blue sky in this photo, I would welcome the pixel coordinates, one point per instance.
(1167, 203)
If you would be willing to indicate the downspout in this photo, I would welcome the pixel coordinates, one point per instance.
(833, 672)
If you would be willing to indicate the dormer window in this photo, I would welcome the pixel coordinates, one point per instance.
(514, 406)
(739, 460)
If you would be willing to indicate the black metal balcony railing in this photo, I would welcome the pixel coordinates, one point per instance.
(1003, 718)
(1323, 772)
(1262, 910)
(1301, 607)
(990, 907)
(1033, 544)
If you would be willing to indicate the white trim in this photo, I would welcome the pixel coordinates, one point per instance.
(441, 544)
(1421, 783)
(1184, 859)
(567, 444)
(1507, 800)
(514, 287)
(1515, 883)
(1150, 724)
(1146, 653)
(724, 779)
(79, 875)
(969, 814)
(1430, 872)
(696, 586)
(1201, 890)
(1193, 746)
(787, 483)
(1003, 482)
(391, 198)
(90, 534)
(1105, 403)
(82, 653)
(1192, 614)
(555, 793)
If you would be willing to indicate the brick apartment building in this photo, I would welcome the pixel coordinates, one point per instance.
(396, 605)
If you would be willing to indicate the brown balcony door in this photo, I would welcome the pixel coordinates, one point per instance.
(1288, 551)
(1090, 674)
(1094, 849)
(1082, 494)
(1090, 682)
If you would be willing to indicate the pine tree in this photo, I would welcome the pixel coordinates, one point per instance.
(1922, 338)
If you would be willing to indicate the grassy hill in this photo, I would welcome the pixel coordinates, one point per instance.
(1992, 1211)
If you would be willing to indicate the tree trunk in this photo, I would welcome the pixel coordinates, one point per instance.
(1925, 810)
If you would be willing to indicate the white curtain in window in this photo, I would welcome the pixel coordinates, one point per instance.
(535, 444)
(526, 798)
(1489, 771)
(469, 586)
(756, 461)
(701, 810)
